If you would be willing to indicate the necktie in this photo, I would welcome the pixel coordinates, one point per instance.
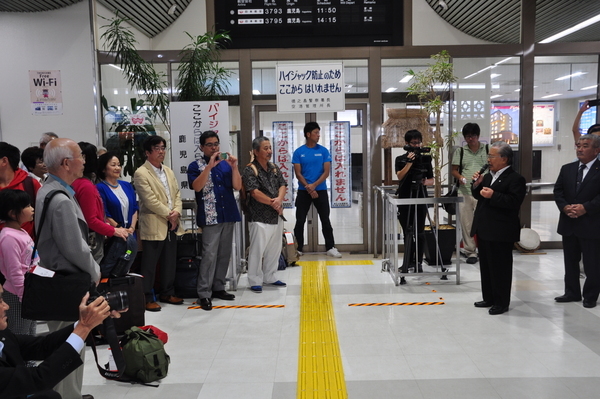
(580, 175)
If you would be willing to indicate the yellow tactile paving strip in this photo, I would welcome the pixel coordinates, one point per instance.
(340, 262)
(320, 371)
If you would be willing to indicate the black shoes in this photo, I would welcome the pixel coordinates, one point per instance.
(566, 298)
(589, 304)
(483, 304)
(224, 295)
(497, 309)
(205, 303)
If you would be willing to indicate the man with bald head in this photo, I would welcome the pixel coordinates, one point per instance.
(62, 244)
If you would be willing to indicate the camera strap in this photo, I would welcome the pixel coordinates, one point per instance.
(111, 336)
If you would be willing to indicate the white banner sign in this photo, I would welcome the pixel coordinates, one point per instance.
(189, 119)
(310, 88)
(45, 90)
(341, 178)
(282, 156)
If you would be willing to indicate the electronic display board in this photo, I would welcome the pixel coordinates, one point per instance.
(310, 23)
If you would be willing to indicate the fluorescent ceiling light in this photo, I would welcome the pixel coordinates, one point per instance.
(348, 86)
(518, 90)
(571, 75)
(489, 67)
(473, 86)
(572, 29)
(115, 92)
(391, 89)
(255, 91)
(406, 79)
(589, 87)
(114, 66)
(496, 96)
(172, 9)
(552, 95)
(495, 75)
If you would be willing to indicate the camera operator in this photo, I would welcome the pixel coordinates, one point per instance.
(414, 172)
(59, 350)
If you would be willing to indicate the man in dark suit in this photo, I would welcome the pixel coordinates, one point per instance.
(577, 195)
(496, 223)
(59, 350)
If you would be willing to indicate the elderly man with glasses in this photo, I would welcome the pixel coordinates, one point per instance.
(160, 212)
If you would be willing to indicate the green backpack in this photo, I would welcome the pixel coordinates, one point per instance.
(145, 356)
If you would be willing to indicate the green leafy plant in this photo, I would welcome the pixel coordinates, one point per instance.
(140, 74)
(200, 75)
(432, 88)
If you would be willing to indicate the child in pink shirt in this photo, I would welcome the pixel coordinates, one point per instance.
(16, 247)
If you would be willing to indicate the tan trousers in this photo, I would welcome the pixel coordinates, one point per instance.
(467, 210)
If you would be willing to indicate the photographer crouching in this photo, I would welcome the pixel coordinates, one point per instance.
(58, 350)
(414, 172)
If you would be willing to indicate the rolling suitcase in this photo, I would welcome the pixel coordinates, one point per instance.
(289, 248)
(132, 285)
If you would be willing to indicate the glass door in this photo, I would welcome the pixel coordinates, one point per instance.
(348, 224)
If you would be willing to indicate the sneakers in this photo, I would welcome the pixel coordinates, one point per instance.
(256, 288)
(300, 253)
(334, 253)
(279, 283)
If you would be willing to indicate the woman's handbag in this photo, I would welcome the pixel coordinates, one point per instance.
(49, 295)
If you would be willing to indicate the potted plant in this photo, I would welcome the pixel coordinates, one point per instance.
(432, 88)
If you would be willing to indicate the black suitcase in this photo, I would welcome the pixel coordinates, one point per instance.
(186, 277)
(189, 245)
(132, 285)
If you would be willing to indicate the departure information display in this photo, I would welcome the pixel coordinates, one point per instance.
(310, 23)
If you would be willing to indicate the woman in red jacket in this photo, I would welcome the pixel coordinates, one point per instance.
(91, 204)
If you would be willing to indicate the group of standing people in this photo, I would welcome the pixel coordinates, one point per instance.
(215, 175)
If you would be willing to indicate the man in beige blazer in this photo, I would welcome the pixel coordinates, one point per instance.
(160, 212)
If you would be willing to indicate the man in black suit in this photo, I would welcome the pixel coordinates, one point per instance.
(59, 350)
(496, 223)
(577, 195)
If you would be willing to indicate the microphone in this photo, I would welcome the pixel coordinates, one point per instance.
(481, 172)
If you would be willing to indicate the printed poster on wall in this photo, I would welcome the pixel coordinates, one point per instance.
(189, 119)
(341, 180)
(45, 90)
(504, 123)
(282, 157)
(310, 88)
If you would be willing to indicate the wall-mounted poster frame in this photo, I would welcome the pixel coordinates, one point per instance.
(504, 124)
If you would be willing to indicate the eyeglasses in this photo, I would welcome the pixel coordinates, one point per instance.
(159, 148)
(81, 156)
(212, 145)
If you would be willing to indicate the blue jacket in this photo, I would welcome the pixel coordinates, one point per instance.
(112, 205)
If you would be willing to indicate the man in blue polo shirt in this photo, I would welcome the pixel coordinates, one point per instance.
(312, 164)
(214, 180)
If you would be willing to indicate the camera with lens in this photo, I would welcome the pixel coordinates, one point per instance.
(417, 150)
(118, 300)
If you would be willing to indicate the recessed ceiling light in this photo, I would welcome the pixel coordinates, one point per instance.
(172, 9)
(589, 87)
(406, 79)
(255, 91)
(495, 75)
(160, 55)
(391, 89)
(495, 96)
(552, 95)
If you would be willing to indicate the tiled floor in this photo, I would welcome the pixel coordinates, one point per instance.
(539, 349)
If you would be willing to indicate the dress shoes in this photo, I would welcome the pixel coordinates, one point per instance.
(497, 309)
(589, 304)
(205, 303)
(152, 307)
(566, 298)
(483, 304)
(224, 295)
(173, 300)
